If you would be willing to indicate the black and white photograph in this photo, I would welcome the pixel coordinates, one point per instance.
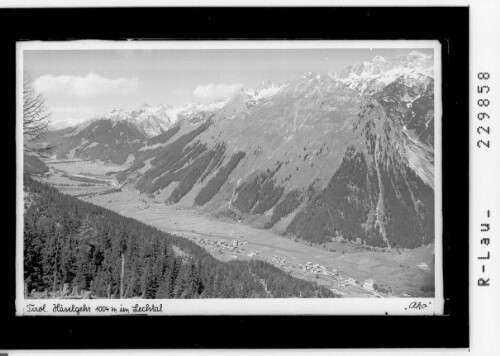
(230, 177)
(255, 178)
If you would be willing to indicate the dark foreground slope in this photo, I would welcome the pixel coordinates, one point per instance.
(34, 165)
(67, 241)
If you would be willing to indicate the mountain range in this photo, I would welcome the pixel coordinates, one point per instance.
(346, 155)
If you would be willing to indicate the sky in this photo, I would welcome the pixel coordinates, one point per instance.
(79, 84)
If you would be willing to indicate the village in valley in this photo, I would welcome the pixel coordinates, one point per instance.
(337, 281)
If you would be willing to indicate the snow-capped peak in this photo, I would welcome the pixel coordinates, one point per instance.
(415, 59)
(380, 71)
(379, 60)
(263, 91)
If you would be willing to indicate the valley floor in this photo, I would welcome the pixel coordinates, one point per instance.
(405, 272)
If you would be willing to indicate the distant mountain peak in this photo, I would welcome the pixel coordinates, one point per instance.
(418, 54)
(371, 76)
(263, 90)
(378, 59)
(414, 59)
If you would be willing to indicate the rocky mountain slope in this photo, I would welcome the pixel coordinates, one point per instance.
(404, 84)
(105, 140)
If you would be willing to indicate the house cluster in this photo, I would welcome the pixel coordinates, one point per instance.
(346, 281)
(369, 285)
(279, 261)
(341, 280)
(315, 268)
(423, 266)
(234, 246)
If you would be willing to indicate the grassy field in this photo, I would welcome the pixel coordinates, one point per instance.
(79, 177)
(397, 269)
(83, 167)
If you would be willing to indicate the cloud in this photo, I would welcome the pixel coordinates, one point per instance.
(215, 90)
(89, 86)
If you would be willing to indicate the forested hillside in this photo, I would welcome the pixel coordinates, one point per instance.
(68, 241)
(34, 165)
(102, 140)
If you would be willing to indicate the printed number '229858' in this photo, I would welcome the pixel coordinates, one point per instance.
(483, 103)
